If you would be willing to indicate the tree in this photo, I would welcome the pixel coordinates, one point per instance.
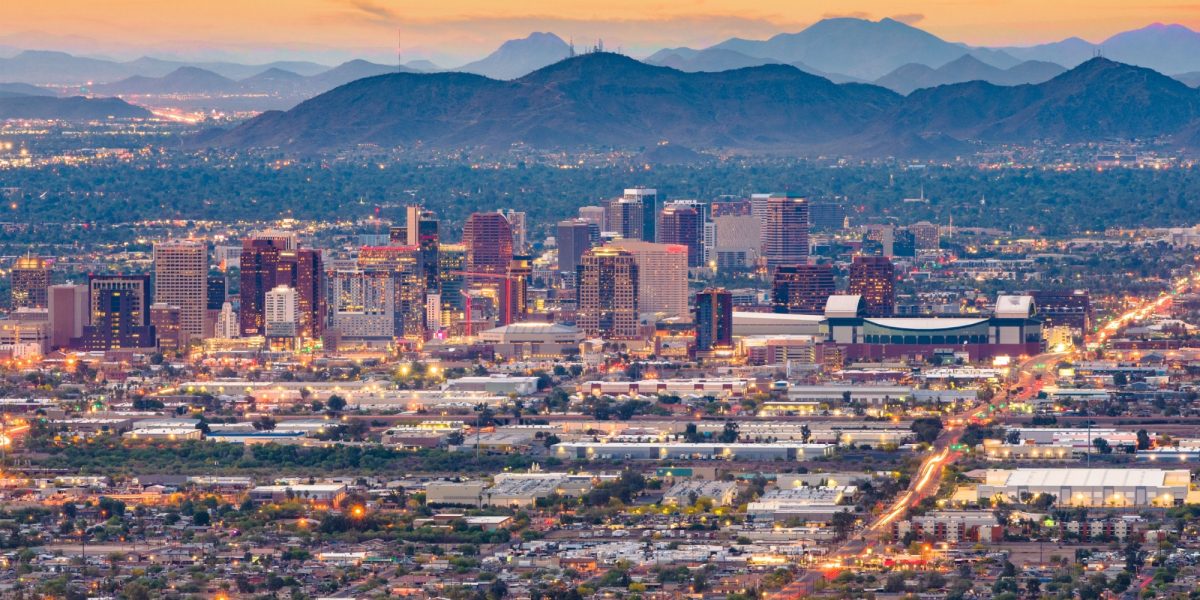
(691, 434)
(1102, 446)
(805, 433)
(843, 522)
(201, 518)
(927, 429)
(1013, 436)
(1120, 380)
(729, 434)
(1143, 440)
(336, 403)
(264, 423)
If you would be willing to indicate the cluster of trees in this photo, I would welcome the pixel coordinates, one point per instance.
(112, 456)
(252, 188)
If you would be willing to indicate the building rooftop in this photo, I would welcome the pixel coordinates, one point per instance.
(1085, 478)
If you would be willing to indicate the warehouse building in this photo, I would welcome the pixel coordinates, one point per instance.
(1089, 487)
(690, 451)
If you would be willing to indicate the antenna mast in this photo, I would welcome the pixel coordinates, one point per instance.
(399, 60)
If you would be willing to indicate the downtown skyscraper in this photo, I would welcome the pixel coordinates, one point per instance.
(785, 231)
(181, 280)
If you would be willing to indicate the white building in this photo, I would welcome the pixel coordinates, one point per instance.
(1089, 487)
(666, 450)
(227, 322)
(722, 493)
(281, 312)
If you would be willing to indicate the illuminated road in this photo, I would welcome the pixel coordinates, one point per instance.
(1026, 379)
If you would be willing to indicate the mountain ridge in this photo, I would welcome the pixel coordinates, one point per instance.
(608, 100)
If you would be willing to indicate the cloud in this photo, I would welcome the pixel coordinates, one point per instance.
(909, 18)
(856, 14)
(369, 12)
(472, 35)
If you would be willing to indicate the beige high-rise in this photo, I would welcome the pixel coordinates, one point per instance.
(181, 279)
(662, 278)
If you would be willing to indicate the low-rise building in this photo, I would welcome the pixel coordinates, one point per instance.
(952, 526)
(690, 451)
(685, 493)
(1089, 487)
(317, 493)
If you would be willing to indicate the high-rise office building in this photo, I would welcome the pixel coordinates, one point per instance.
(281, 316)
(626, 217)
(714, 320)
(268, 263)
(181, 280)
(452, 263)
(802, 289)
(574, 237)
(684, 225)
(758, 208)
(520, 230)
(29, 281)
(825, 215)
(259, 263)
(736, 235)
(874, 278)
(648, 198)
(731, 207)
(926, 235)
(785, 233)
(119, 314)
(595, 215)
(662, 278)
(68, 310)
(422, 231)
(303, 270)
(520, 271)
(362, 304)
(168, 326)
(217, 291)
(607, 292)
(489, 241)
(1072, 308)
(409, 278)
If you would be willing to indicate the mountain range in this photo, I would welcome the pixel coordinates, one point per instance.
(888, 52)
(275, 81)
(76, 108)
(868, 50)
(608, 100)
(915, 76)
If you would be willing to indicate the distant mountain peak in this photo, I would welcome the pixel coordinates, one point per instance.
(518, 57)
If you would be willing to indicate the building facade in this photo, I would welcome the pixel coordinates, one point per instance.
(874, 278)
(181, 280)
(785, 231)
(607, 292)
(802, 289)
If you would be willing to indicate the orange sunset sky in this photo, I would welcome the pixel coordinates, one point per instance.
(466, 29)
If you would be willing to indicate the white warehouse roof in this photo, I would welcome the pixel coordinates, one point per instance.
(1088, 478)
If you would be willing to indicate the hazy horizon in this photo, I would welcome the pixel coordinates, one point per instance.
(332, 31)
